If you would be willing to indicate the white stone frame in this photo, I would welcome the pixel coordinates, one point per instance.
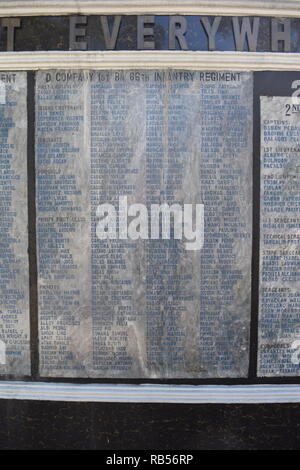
(154, 393)
(194, 60)
(150, 393)
(156, 7)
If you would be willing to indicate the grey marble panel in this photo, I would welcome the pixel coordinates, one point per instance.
(14, 277)
(279, 306)
(143, 308)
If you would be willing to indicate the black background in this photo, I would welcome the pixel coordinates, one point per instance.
(51, 33)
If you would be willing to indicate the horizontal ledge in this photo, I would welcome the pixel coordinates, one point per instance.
(102, 60)
(150, 393)
(185, 7)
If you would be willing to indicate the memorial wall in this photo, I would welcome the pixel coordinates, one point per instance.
(159, 209)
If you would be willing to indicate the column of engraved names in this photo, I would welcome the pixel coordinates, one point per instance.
(171, 303)
(62, 211)
(115, 135)
(225, 174)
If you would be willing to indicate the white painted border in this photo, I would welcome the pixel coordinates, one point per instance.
(150, 393)
(199, 60)
(155, 7)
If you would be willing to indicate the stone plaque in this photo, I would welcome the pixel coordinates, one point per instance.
(279, 306)
(14, 283)
(126, 303)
